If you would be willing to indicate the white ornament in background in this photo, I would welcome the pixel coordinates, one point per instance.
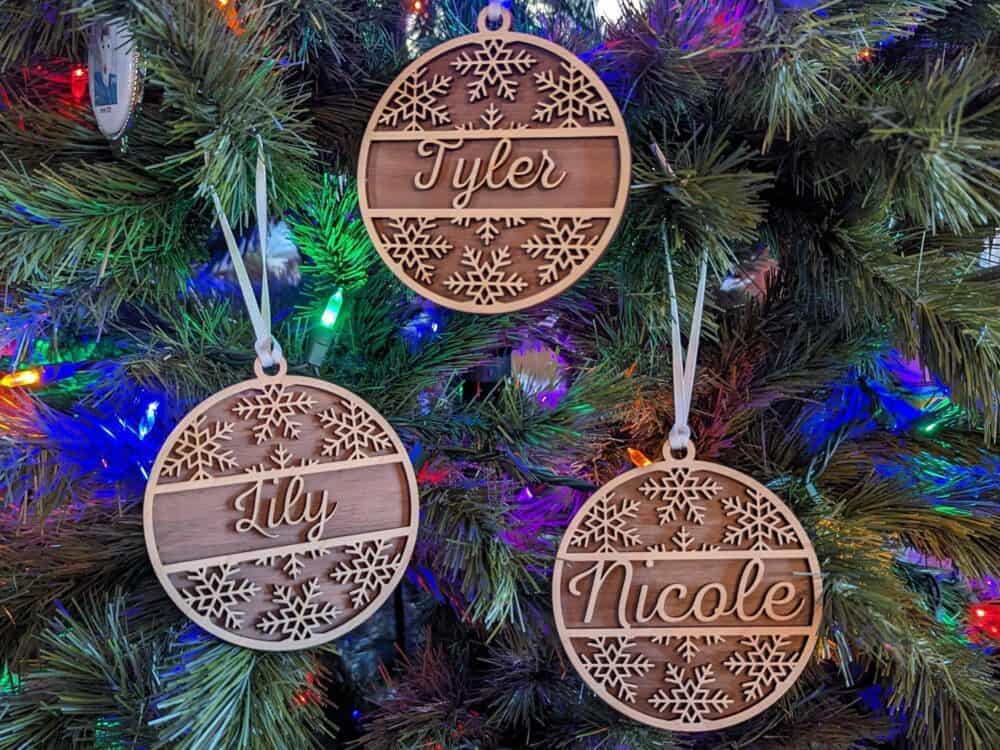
(608, 10)
(115, 78)
(991, 252)
(283, 258)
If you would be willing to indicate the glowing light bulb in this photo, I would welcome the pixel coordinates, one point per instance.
(79, 72)
(332, 310)
(21, 379)
(323, 334)
(638, 458)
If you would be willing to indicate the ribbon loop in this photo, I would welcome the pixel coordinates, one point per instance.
(683, 367)
(268, 350)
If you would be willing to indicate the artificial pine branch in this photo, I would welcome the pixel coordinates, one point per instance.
(707, 189)
(426, 705)
(94, 679)
(937, 133)
(214, 694)
(59, 223)
(64, 557)
(221, 91)
(883, 624)
(468, 531)
(331, 233)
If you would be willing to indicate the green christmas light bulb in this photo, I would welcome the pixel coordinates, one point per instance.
(332, 310)
(323, 334)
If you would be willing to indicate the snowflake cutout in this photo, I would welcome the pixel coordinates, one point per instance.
(371, 567)
(563, 247)
(684, 540)
(681, 491)
(687, 646)
(412, 246)
(493, 64)
(488, 229)
(355, 433)
(199, 448)
(485, 282)
(571, 96)
(280, 458)
(757, 521)
(273, 409)
(215, 594)
(294, 562)
(607, 525)
(491, 118)
(298, 616)
(416, 101)
(766, 664)
(610, 664)
(689, 698)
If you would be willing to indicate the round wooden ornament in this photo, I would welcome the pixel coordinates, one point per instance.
(687, 595)
(494, 171)
(281, 512)
(116, 78)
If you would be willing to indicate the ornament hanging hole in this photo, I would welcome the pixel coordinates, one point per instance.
(274, 371)
(670, 455)
(483, 22)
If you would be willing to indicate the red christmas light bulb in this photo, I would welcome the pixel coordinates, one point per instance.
(984, 618)
(78, 82)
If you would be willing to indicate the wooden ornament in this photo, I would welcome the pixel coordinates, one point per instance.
(494, 171)
(116, 79)
(687, 595)
(281, 512)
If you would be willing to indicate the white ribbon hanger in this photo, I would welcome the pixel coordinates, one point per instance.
(268, 350)
(680, 433)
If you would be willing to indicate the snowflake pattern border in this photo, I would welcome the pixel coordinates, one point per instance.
(610, 664)
(563, 247)
(607, 525)
(682, 492)
(766, 664)
(272, 409)
(370, 568)
(485, 281)
(217, 592)
(413, 248)
(353, 433)
(199, 448)
(571, 97)
(416, 101)
(298, 615)
(758, 520)
(493, 64)
(690, 699)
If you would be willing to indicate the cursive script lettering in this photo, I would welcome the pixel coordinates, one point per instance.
(469, 177)
(676, 603)
(293, 507)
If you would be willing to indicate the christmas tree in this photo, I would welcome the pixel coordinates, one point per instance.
(838, 163)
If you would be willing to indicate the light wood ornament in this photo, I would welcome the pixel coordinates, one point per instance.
(687, 595)
(494, 171)
(281, 512)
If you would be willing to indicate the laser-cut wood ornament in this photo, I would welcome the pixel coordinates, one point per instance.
(687, 595)
(494, 171)
(281, 512)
